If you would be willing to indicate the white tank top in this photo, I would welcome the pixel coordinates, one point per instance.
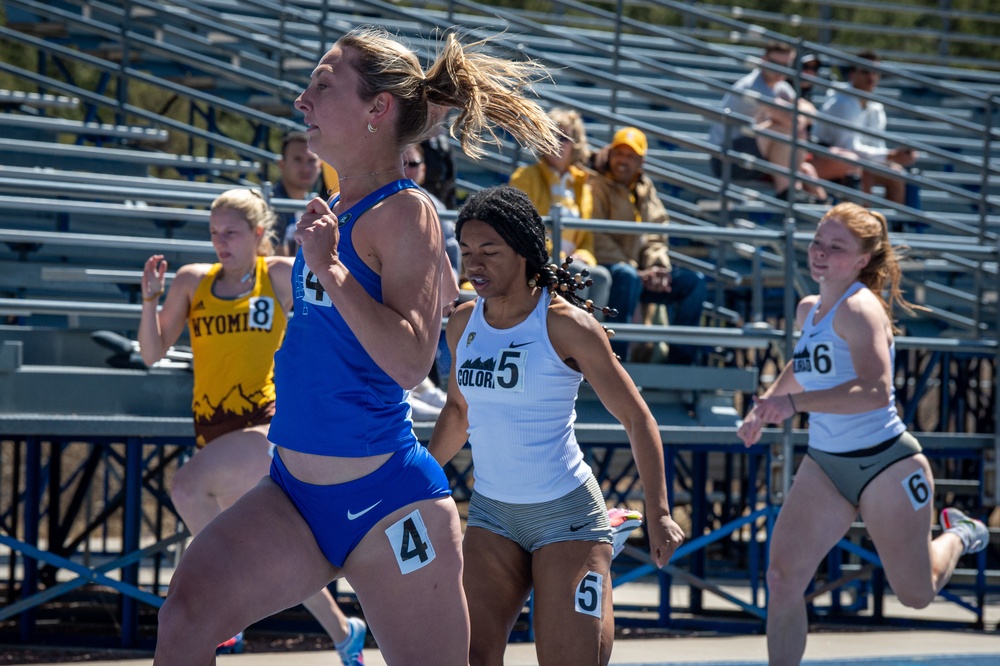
(522, 406)
(822, 360)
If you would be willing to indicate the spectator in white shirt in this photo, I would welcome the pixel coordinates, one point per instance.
(744, 99)
(849, 145)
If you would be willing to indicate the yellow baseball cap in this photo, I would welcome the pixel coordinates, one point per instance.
(631, 137)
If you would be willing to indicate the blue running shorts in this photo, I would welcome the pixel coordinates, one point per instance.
(340, 515)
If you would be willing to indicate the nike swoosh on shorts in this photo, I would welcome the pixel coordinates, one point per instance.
(353, 516)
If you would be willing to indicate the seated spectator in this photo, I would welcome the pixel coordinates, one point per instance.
(556, 180)
(300, 171)
(440, 168)
(742, 99)
(810, 65)
(849, 146)
(639, 263)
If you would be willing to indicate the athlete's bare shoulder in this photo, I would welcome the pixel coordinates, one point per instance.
(572, 330)
(188, 276)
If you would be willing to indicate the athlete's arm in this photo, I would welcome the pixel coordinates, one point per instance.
(580, 340)
(400, 239)
(159, 328)
(279, 270)
(772, 406)
(452, 427)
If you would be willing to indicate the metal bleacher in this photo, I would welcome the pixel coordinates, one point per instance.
(94, 177)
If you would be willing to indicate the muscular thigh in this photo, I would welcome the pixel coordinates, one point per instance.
(574, 621)
(407, 573)
(229, 465)
(813, 518)
(239, 565)
(497, 579)
(897, 508)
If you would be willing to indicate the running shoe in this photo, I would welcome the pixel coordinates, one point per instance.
(623, 521)
(973, 533)
(350, 649)
(233, 646)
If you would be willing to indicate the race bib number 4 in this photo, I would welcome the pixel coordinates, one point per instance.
(410, 542)
(313, 292)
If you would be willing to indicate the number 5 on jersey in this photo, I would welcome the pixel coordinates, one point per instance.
(409, 541)
(509, 374)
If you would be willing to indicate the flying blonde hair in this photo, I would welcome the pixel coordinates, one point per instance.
(486, 90)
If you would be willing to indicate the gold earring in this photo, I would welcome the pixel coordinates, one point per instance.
(371, 128)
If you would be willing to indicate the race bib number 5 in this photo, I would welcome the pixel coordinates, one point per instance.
(589, 594)
(509, 375)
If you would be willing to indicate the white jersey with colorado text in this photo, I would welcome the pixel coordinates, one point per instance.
(522, 406)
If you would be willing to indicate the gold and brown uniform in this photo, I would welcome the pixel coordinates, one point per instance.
(234, 340)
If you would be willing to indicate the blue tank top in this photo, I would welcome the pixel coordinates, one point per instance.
(331, 397)
(822, 360)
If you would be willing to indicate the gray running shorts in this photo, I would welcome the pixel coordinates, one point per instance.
(852, 472)
(579, 515)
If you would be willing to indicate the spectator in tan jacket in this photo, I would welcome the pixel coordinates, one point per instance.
(639, 263)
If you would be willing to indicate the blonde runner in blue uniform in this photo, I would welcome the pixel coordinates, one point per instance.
(537, 518)
(235, 310)
(860, 457)
(351, 493)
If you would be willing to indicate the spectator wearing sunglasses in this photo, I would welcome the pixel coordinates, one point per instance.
(849, 145)
(811, 65)
(743, 99)
(557, 180)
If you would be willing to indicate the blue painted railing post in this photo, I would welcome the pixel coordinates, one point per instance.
(130, 537)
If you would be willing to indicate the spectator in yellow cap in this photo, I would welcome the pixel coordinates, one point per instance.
(639, 263)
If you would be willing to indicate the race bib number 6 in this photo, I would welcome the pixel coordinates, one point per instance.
(917, 489)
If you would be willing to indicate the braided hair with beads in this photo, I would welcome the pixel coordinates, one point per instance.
(511, 214)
